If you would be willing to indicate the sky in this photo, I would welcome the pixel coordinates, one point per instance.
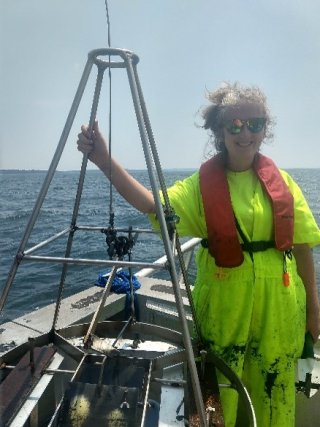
(186, 47)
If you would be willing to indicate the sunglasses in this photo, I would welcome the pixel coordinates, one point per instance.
(255, 125)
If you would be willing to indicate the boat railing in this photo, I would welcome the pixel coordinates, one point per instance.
(187, 249)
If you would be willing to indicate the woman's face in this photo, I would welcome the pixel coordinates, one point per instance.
(243, 146)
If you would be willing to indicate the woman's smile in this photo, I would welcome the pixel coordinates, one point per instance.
(243, 145)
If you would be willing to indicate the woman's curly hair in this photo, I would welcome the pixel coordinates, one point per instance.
(230, 95)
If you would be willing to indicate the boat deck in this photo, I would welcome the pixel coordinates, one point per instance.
(155, 294)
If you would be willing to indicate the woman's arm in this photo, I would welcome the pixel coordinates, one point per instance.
(306, 271)
(96, 148)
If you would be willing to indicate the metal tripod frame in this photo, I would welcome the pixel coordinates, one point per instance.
(127, 60)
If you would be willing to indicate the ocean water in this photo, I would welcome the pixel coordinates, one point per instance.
(36, 284)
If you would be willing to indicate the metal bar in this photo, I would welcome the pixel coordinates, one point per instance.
(146, 397)
(108, 329)
(95, 319)
(58, 371)
(78, 196)
(46, 242)
(187, 246)
(176, 244)
(120, 230)
(94, 262)
(48, 370)
(128, 322)
(46, 183)
(187, 257)
(78, 367)
(159, 264)
(175, 239)
(167, 244)
(170, 382)
(184, 275)
(123, 53)
(67, 347)
(152, 145)
(99, 384)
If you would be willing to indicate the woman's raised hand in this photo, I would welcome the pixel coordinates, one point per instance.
(94, 145)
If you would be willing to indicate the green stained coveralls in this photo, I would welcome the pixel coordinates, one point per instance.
(246, 314)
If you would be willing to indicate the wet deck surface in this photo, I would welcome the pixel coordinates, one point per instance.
(79, 308)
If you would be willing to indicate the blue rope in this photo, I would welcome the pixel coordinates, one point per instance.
(121, 285)
(121, 282)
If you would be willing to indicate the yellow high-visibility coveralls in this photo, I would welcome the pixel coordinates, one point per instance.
(246, 314)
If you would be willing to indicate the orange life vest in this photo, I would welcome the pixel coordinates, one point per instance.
(223, 240)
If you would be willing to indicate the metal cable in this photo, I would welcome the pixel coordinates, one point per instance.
(111, 211)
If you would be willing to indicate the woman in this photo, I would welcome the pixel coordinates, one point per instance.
(255, 292)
